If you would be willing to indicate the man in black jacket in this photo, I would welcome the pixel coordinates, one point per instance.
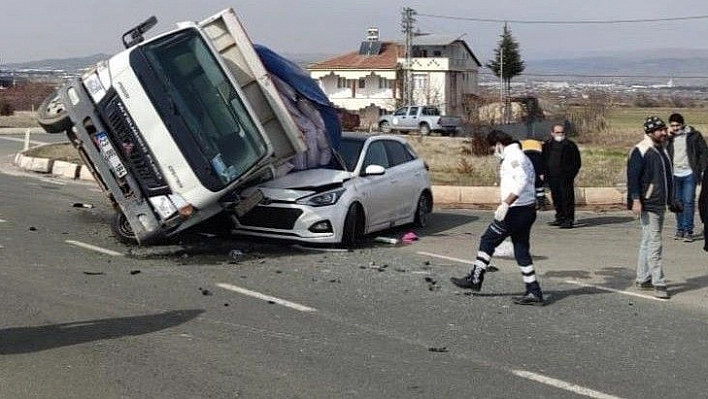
(688, 152)
(649, 191)
(561, 159)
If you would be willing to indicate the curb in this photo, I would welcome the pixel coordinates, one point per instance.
(443, 195)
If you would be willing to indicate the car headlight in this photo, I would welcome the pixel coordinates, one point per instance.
(323, 199)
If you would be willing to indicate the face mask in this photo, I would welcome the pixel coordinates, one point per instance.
(499, 151)
(559, 138)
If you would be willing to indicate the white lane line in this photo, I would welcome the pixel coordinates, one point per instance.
(23, 140)
(599, 287)
(3, 220)
(268, 298)
(93, 248)
(576, 389)
(469, 262)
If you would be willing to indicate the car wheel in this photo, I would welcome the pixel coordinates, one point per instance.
(422, 211)
(122, 229)
(353, 230)
(424, 129)
(52, 115)
(385, 127)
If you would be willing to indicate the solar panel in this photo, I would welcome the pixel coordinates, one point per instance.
(370, 47)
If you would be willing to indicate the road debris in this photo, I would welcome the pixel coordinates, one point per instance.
(94, 273)
(82, 205)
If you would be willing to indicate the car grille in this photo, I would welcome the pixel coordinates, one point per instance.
(128, 140)
(271, 217)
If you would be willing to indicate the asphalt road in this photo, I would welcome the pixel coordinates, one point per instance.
(84, 316)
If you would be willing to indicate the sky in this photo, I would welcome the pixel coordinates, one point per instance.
(33, 30)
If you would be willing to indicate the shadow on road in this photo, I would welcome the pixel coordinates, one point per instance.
(34, 339)
(602, 220)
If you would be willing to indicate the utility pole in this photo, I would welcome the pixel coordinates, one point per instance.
(407, 25)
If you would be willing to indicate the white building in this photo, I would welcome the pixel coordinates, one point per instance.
(444, 72)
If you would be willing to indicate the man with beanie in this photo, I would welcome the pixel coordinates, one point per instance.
(687, 150)
(649, 192)
(561, 159)
(513, 218)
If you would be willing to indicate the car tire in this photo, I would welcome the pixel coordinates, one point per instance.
(385, 127)
(422, 210)
(353, 230)
(122, 230)
(52, 115)
(424, 129)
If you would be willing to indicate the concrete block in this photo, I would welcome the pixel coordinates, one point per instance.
(479, 195)
(65, 169)
(85, 174)
(41, 165)
(446, 194)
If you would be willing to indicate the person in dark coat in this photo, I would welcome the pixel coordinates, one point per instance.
(703, 207)
(561, 159)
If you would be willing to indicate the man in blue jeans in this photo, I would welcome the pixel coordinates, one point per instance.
(688, 152)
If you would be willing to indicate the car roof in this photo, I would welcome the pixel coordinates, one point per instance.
(360, 136)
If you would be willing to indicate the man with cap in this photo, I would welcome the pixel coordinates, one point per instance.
(649, 192)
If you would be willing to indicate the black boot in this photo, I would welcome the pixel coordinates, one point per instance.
(472, 281)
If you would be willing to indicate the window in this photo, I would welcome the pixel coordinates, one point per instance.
(384, 83)
(413, 111)
(396, 153)
(376, 155)
(341, 83)
(437, 53)
(362, 83)
(401, 111)
(430, 111)
(420, 81)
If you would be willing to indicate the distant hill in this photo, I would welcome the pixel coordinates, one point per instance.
(640, 67)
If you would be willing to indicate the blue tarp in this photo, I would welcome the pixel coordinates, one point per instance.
(301, 81)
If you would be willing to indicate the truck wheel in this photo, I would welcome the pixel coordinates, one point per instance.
(122, 229)
(385, 127)
(424, 129)
(52, 115)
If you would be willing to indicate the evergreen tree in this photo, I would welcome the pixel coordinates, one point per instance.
(507, 59)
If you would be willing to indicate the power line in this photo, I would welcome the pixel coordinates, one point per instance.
(568, 22)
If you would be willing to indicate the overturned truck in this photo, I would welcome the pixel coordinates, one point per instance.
(175, 125)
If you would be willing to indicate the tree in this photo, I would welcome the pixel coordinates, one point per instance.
(507, 61)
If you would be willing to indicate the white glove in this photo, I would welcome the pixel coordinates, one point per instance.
(501, 211)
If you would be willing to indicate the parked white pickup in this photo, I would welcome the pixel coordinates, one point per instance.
(421, 118)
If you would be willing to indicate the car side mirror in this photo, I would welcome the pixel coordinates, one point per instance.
(374, 170)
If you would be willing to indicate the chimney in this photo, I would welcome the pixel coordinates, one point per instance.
(372, 34)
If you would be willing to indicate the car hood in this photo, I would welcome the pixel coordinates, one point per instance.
(302, 183)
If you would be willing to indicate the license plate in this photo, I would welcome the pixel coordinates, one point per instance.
(110, 155)
(248, 203)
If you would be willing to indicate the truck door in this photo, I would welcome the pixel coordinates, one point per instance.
(411, 120)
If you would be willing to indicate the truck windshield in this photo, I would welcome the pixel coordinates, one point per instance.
(202, 96)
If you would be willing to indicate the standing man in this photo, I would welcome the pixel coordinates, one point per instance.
(561, 158)
(649, 192)
(688, 152)
(532, 148)
(513, 217)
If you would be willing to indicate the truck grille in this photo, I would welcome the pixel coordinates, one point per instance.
(128, 140)
(271, 217)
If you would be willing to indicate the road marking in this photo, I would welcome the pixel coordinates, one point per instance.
(23, 140)
(599, 287)
(93, 248)
(268, 298)
(3, 220)
(469, 262)
(577, 389)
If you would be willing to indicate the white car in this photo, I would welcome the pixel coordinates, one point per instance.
(384, 185)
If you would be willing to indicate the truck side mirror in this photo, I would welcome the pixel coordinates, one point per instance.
(135, 35)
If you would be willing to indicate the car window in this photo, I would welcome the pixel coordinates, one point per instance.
(431, 111)
(396, 152)
(376, 155)
(401, 112)
(413, 111)
(350, 151)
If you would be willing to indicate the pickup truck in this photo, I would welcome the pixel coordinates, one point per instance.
(174, 126)
(421, 118)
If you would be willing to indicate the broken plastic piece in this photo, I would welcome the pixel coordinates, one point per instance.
(387, 240)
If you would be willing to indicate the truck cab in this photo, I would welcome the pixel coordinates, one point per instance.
(173, 126)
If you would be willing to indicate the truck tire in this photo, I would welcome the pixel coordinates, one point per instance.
(424, 129)
(385, 127)
(52, 115)
(122, 230)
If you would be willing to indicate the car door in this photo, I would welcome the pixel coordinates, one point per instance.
(411, 120)
(406, 175)
(379, 190)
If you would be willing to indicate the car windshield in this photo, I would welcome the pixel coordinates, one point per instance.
(350, 149)
(202, 95)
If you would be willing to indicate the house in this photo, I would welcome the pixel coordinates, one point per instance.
(443, 72)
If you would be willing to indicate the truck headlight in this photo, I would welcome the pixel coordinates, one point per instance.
(95, 87)
(323, 199)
